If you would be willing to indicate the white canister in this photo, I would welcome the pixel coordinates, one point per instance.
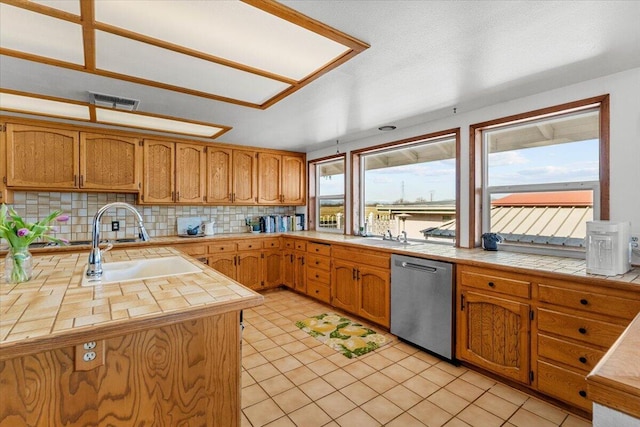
(209, 228)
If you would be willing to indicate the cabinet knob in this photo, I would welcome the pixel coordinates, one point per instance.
(582, 330)
(582, 393)
(317, 262)
(491, 284)
(317, 276)
(582, 359)
(584, 301)
(317, 291)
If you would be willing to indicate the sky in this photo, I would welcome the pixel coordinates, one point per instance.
(575, 161)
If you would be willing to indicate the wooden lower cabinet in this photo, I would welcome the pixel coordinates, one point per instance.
(225, 264)
(345, 287)
(182, 374)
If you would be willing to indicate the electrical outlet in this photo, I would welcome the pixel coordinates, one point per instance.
(89, 355)
(115, 225)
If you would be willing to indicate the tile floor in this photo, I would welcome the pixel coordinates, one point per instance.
(291, 379)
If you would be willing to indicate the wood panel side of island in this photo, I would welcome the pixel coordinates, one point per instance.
(182, 374)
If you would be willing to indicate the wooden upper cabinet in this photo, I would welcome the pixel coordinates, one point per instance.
(109, 162)
(294, 173)
(245, 183)
(269, 178)
(158, 172)
(219, 176)
(191, 170)
(42, 157)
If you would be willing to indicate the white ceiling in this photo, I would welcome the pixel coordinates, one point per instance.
(426, 57)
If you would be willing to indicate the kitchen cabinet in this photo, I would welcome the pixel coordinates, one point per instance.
(222, 257)
(219, 176)
(319, 271)
(281, 179)
(294, 267)
(174, 172)
(54, 158)
(494, 322)
(245, 179)
(360, 283)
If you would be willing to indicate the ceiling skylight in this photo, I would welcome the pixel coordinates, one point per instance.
(45, 107)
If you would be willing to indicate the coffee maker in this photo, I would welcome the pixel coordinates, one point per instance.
(608, 247)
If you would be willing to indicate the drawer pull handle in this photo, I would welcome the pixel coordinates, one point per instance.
(584, 301)
(582, 359)
(582, 330)
(317, 262)
(491, 284)
(317, 291)
(582, 393)
(317, 276)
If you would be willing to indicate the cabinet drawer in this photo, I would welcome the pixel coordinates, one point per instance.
(563, 384)
(319, 291)
(319, 249)
(321, 276)
(271, 243)
(362, 256)
(589, 301)
(590, 331)
(193, 249)
(222, 247)
(300, 245)
(319, 262)
(576, 355)
(247, 245)
(502, 285)
(289, 244)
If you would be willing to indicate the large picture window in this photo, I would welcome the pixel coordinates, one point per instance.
(543, 177)
(329, 195)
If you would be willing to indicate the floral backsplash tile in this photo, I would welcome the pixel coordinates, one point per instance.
(158, 220)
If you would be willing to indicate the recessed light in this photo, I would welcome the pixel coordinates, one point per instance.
(387, 128)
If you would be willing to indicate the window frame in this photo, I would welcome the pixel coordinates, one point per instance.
(357, 174)
(314, 193)
(479, 196)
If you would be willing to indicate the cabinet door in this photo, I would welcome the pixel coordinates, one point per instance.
(42, 157)
(288, 268)
(245, 181)
(374, 296)
(269, 169)
(249, 271)
(271, 268)
(494, 334)
(293, 180)
(219, 177)
(109, 162)
(344, 289)
(300, 273)
(225, 264)
(158, 186)
(191, 167)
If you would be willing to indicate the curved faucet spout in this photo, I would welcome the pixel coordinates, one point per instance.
(95, 256)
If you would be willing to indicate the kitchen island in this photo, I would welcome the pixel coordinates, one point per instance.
(162, 351)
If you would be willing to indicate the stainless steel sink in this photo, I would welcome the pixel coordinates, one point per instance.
(141, 269)
(378, 241)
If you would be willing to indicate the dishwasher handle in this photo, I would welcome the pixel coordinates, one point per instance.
(413, 266)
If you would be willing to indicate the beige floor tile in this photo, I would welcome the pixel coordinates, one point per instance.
(524, 418)
(273, 331)
(392, 353)
(465, 390)
(274, 354)
(357, 417)
(478, 380)
(253, 360)
(322, 366)
(301, 375)
(448, 401)
(310, 415)
(324, 350)
(276, 385)
(381, 409)
(340, 359)
(283, 339)
(421, 386)
(287, 363)
(509, 394)
(295, 347)
(335, 404)
(407, 348)
(398, 373)
(244, 422)
(317, 388)
(426, 357)
(331, 424)
(414, 364)
(379, 382)
(263, 345)
(291, 400)
(358, 392)
(405, 420)
(456, 422)
(545, 410)
(281, 422)
(359, 369)
(247, 349)
(263, 413)
(437, 376)
(263, 372)
(376, 361)
(339, 378)
(402, 396)
(308, 356)
(573, 421)
(496, 405)
(430, 414)
(247, 379)
(456, 371)
(478, 417)
(252, 395)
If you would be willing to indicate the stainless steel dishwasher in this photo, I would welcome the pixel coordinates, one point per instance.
(422, 303)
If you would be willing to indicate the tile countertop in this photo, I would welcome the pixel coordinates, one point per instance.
(52, 310)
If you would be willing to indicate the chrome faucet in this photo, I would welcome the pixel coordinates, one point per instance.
(402, 237)
(387, 235)
(95, 256)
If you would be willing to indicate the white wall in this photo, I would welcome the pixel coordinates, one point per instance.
(624, 91)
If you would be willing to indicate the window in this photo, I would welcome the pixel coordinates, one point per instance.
(329, 195)
(409, 186)
(542, 175)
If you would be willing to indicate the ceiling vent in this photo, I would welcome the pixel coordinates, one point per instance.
(116, 102)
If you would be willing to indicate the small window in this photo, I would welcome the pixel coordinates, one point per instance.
(543, 178)
(330, 206)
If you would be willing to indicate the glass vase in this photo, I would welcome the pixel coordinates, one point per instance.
(18, 266)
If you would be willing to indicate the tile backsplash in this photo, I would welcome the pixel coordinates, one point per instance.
(158, 220)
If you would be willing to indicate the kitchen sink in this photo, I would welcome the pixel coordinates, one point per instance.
(141, 269)
(377, 241)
